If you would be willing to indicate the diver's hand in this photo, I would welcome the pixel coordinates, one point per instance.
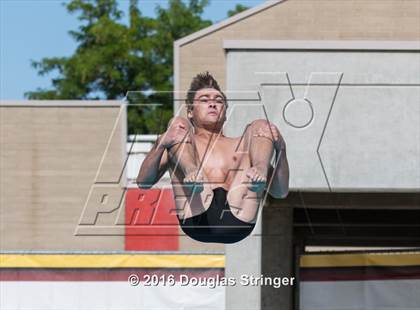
(176, 133)
(271, 132)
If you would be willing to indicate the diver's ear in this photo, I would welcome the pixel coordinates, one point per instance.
(189, 113)
(190, 118)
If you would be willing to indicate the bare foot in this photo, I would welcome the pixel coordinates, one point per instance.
(257, 178)
(194, 180)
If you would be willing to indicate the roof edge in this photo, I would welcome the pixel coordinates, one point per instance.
(321, 45)
(224, 23)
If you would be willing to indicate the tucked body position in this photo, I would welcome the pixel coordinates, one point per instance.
(218, 181)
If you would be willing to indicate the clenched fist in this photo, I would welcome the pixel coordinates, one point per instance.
(176, 133)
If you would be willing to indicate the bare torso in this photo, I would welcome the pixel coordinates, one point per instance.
(220, 160)
(224, 163)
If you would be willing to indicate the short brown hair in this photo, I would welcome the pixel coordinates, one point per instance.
(200, 81)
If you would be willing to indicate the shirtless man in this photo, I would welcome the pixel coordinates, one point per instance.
(217, 181)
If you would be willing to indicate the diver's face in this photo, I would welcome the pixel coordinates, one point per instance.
(209, 108)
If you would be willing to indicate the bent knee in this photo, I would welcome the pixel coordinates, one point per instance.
(257, 124)
(179, 120)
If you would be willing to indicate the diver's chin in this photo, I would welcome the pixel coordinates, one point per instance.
(214, 125)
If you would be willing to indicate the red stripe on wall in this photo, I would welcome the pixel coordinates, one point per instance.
(96, 274)
(151, 223)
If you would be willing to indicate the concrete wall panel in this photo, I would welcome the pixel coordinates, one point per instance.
(347, 117)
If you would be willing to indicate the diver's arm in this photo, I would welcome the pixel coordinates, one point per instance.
(153, 167)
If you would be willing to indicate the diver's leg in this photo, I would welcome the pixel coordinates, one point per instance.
(247, 187)
(261, 150)
(192, 190)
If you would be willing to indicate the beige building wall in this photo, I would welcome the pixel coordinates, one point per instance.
(390, 20)
(50, 154)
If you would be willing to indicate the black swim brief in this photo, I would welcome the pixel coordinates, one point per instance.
(217, 224)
